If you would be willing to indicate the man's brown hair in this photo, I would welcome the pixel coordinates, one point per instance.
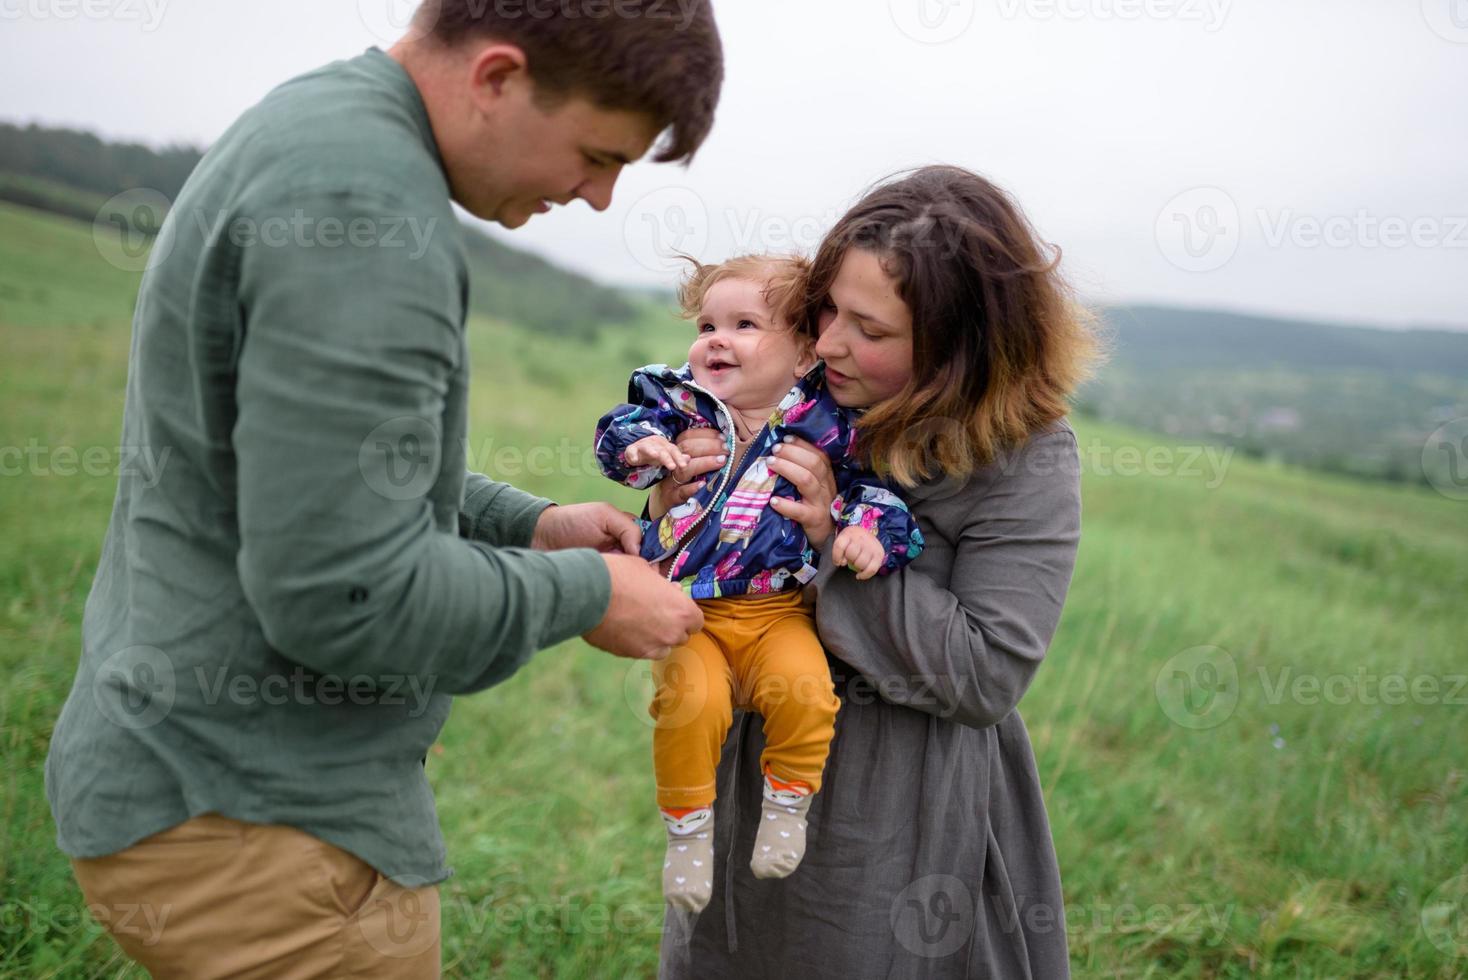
(662, 58)
(998, 342)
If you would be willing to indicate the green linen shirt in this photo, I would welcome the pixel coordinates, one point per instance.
(299, 573)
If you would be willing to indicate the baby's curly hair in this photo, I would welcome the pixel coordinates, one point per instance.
(782, 276)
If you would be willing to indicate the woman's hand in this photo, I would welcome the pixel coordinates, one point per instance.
(705, 451)
(809, 469)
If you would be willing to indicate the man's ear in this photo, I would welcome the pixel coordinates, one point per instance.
(494, 72)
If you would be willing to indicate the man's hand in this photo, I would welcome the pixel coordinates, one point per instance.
(858, 549)
(654, 451)
(648, 615)
(599, 526)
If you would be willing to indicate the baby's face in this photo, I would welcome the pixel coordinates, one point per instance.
(742, 353)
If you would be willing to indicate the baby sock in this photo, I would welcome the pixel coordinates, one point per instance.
(688, 867)
(780, 843)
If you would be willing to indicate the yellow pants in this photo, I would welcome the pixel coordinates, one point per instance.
(757, 652)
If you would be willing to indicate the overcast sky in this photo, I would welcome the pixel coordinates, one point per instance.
(1307, 158)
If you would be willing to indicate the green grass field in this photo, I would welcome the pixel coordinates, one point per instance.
(1273, 804)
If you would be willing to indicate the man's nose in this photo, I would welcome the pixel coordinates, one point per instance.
(597, 191)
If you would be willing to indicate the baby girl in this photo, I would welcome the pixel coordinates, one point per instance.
(752, 376)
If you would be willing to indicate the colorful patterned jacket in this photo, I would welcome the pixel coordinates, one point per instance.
(726, 538)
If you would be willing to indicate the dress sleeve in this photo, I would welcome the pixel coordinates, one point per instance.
(968, 651)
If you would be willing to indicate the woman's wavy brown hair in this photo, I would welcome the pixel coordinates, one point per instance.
(999, 343)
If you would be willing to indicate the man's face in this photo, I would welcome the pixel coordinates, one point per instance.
(516, 158)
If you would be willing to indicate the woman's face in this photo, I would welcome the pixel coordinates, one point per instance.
(865, 333)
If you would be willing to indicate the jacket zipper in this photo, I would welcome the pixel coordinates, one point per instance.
(683, 542)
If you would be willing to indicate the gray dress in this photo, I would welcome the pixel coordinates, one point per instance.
(929, 850)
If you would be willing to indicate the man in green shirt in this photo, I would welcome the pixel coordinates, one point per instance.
(276, 627)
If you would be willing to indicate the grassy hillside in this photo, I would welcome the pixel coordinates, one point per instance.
(1345, 399)
(1290, 813)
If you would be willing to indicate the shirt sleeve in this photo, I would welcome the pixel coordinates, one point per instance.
(346, 350)
(497, 513)
(967, 651)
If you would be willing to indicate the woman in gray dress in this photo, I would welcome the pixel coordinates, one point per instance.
(929, 851)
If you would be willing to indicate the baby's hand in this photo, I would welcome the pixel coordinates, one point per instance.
(858, 549)
(654, 451)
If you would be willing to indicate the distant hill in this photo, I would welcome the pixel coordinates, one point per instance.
(73, 173)
(1160, 337)
(1348, 399)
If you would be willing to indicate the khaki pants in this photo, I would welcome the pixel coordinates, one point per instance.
(753, 651)
(216, 897)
